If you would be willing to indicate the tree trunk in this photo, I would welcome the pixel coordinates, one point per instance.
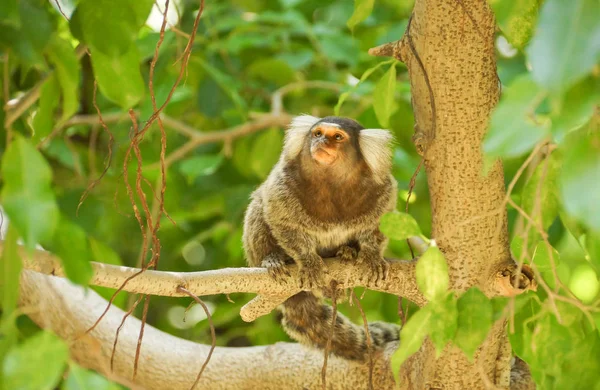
(449, 51)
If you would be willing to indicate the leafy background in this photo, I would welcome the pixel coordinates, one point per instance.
(244, 52)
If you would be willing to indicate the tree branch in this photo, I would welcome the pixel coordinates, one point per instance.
(231, 280)
(168, 362)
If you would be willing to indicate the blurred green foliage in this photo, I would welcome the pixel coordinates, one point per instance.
(243, 53)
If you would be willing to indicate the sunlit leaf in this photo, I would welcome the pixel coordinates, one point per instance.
(577, 107)
(475, 314)
(202, 165)
(432, 274)
(27, 196)
(364, 76)
(520, 340)
(44, 121)
(119, 77)
(62, 55)
(542, 258)
(412, 335)
(399, 226)
(584, 283)
(443, 324)
(383, 96)
(516, 18)
(513, 130)
(37, 364)
(550, 343)
(539, 198)
(362, 10)
(265, 152)
(569, 33)
(580, 177)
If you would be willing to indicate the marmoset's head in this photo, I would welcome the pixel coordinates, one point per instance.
(338, 142)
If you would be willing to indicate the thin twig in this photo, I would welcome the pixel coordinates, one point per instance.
(115, 342)
(138, 347)
(212, 331)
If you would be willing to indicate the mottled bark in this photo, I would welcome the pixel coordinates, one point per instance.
(449, 50)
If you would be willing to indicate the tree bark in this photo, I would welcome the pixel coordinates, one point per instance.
(449, 51)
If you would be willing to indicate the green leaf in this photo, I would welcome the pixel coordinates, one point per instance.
(444, 316)
(43, 121)
(576, 108)
(66, 65)
(475, 317)
(592, 246)
(383, 96)
(569, 314)
(539, 198)
(550, 344)
(9, 10)
(11, 269)
(108, 26)
(71, 245)
(36, 25)
(265, 152)
(362, 10)
(580, 177)
(272, 70)
(512, 130)
(242, 153)
(227, 83)
(569, 33)
(516, 18)
(432, 274)
(119, 77)
(37, 364)
(82, 379)
(197, 166)
(13, 38)
(365, 76)
(412, 335)
(525, 309)
(541, 257)
(27, 196)
(399, 226)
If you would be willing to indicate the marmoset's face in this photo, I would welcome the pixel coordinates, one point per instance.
(329, 142)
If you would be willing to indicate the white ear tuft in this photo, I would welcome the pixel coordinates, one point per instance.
(375, 145)
(296, 134)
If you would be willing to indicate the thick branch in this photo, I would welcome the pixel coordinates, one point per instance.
(168, 362)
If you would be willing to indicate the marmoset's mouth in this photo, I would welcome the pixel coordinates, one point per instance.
(322, 156)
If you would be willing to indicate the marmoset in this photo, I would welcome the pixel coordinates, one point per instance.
(324, 198)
